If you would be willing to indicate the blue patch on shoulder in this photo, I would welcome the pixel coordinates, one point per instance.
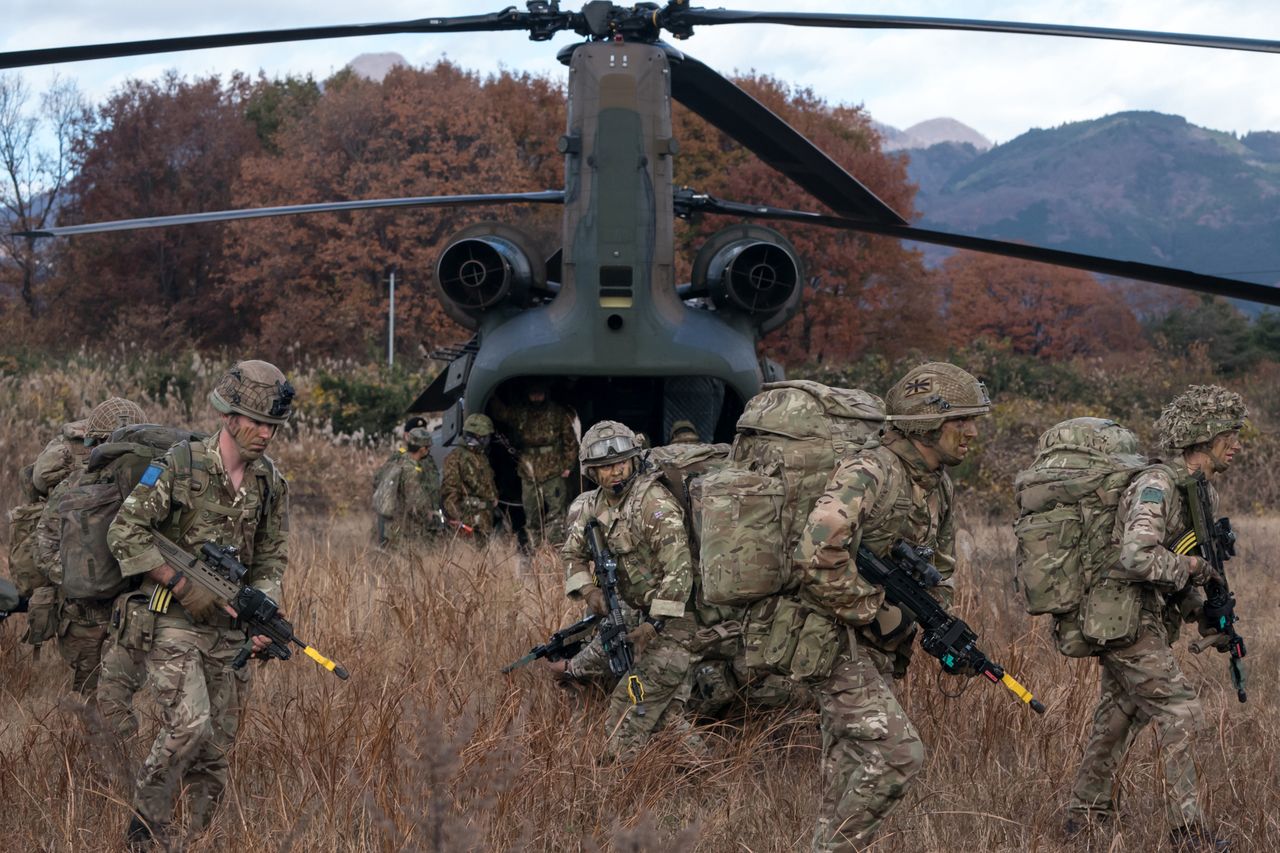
(150, 475)
(1151, 495)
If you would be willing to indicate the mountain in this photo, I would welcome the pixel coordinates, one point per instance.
(375, 66)
(932, 132)
(1136, 185)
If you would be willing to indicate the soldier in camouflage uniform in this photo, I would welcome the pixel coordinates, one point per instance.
(643, 524)
(60, 457)
(407, 498)
(82, 622)
(547, 448)
(468, 491)
(897, 490)
(226, 491)
(1142, 682)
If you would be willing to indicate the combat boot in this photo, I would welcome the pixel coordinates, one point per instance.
(1197, 838)
(1079, 826)
(142, 835)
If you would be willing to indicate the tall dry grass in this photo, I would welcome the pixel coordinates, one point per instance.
(428, 747)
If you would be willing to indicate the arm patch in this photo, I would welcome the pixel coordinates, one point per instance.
(151, 475)
(1151, 495)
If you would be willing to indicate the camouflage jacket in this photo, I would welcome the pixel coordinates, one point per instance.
(874, 498)
(467, 487)
(645, 529)
(255, 520)
(413, 491)
(543, 436)
(1152, 516)
(64, 454)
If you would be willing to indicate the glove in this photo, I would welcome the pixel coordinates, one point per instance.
(199, 603)
(1201, 572)
(594, 596)
(891, 623)
(641, 636)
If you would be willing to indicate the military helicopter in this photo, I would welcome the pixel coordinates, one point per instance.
(603, 317)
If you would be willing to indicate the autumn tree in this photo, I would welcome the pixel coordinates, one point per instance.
(165, 147)
(1041, 310)
(321, 279)
(37, 137)
(864, 293)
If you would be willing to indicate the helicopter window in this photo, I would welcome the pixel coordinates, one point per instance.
(615, 288)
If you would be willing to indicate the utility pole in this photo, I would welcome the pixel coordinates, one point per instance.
(391, 322)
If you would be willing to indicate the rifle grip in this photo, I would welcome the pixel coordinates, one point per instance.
(242, 656)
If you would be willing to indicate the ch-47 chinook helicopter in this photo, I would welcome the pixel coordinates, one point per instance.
(604, 318)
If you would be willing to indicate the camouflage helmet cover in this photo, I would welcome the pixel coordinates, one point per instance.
(605, 443)
(256, 389)
(1198, 414)
(684, 432)
(478, 424)
(111, 414)
(932, 393)
(418, 438)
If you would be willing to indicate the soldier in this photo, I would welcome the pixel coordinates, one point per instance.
(644, 526)
(407, 499)
(1142, 682)
(224, 490)
(82, 622)
(684, 432)
(547, 448)
(468, 490)
(897, 490)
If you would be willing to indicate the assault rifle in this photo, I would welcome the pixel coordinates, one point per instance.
(613, 630)
(219, 570)
(563, 644)
(12, 601)
(1215, 543)
(906, 577)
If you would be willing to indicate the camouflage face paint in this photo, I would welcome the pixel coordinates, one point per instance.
(955, 440)
(251, 437)
(1223, 450)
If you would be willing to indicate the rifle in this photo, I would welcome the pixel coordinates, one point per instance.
(906, 578)
(613, 630)
(1215, 543)
(563, 644)
(219, 570)
(13, 602)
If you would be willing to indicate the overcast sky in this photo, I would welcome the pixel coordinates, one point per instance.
(1001, 85)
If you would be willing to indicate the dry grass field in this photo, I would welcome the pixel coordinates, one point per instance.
(429, 748)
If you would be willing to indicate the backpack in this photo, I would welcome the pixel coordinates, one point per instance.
(22, 528)
(1067, 504)
(89, 503)
(681, 467)
(753, 511)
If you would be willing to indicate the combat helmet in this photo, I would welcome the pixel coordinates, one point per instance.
(932, 393)
(111, 414)
(478, 425)
(256, 389)
(605, 443)
(1199, 414)
(684, 432)
(418, 438)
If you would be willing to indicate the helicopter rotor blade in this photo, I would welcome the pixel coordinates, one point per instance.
(727, 107)
(682, 20)
(688, 202)
(546, 197)
(541, 25)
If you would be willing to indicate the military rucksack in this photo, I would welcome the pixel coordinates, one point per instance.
(1067, 503)
(22, 527)
(681, 467)
(790, 437)
(89, 502)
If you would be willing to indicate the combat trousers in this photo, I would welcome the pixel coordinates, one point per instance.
(200, 698)
(81, 631)
(545, 505)
(1141, 683)
(870, 751)
(665, 675)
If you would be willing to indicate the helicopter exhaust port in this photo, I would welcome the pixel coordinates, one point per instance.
(484, 266)
(752, 271)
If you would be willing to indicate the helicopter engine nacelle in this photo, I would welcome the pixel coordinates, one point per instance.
(484, 266)
(753, 271)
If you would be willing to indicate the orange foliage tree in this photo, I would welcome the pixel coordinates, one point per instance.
(864, 293)
(1042, 310)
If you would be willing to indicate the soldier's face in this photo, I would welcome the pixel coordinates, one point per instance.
(251, 437)
(1223, 449)
(956, 438)
(611, 476)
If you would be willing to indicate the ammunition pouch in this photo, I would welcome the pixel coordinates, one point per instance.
(133, 623)
(1069, 637)
(801, 643)
(1111, 614)
(42, 616)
